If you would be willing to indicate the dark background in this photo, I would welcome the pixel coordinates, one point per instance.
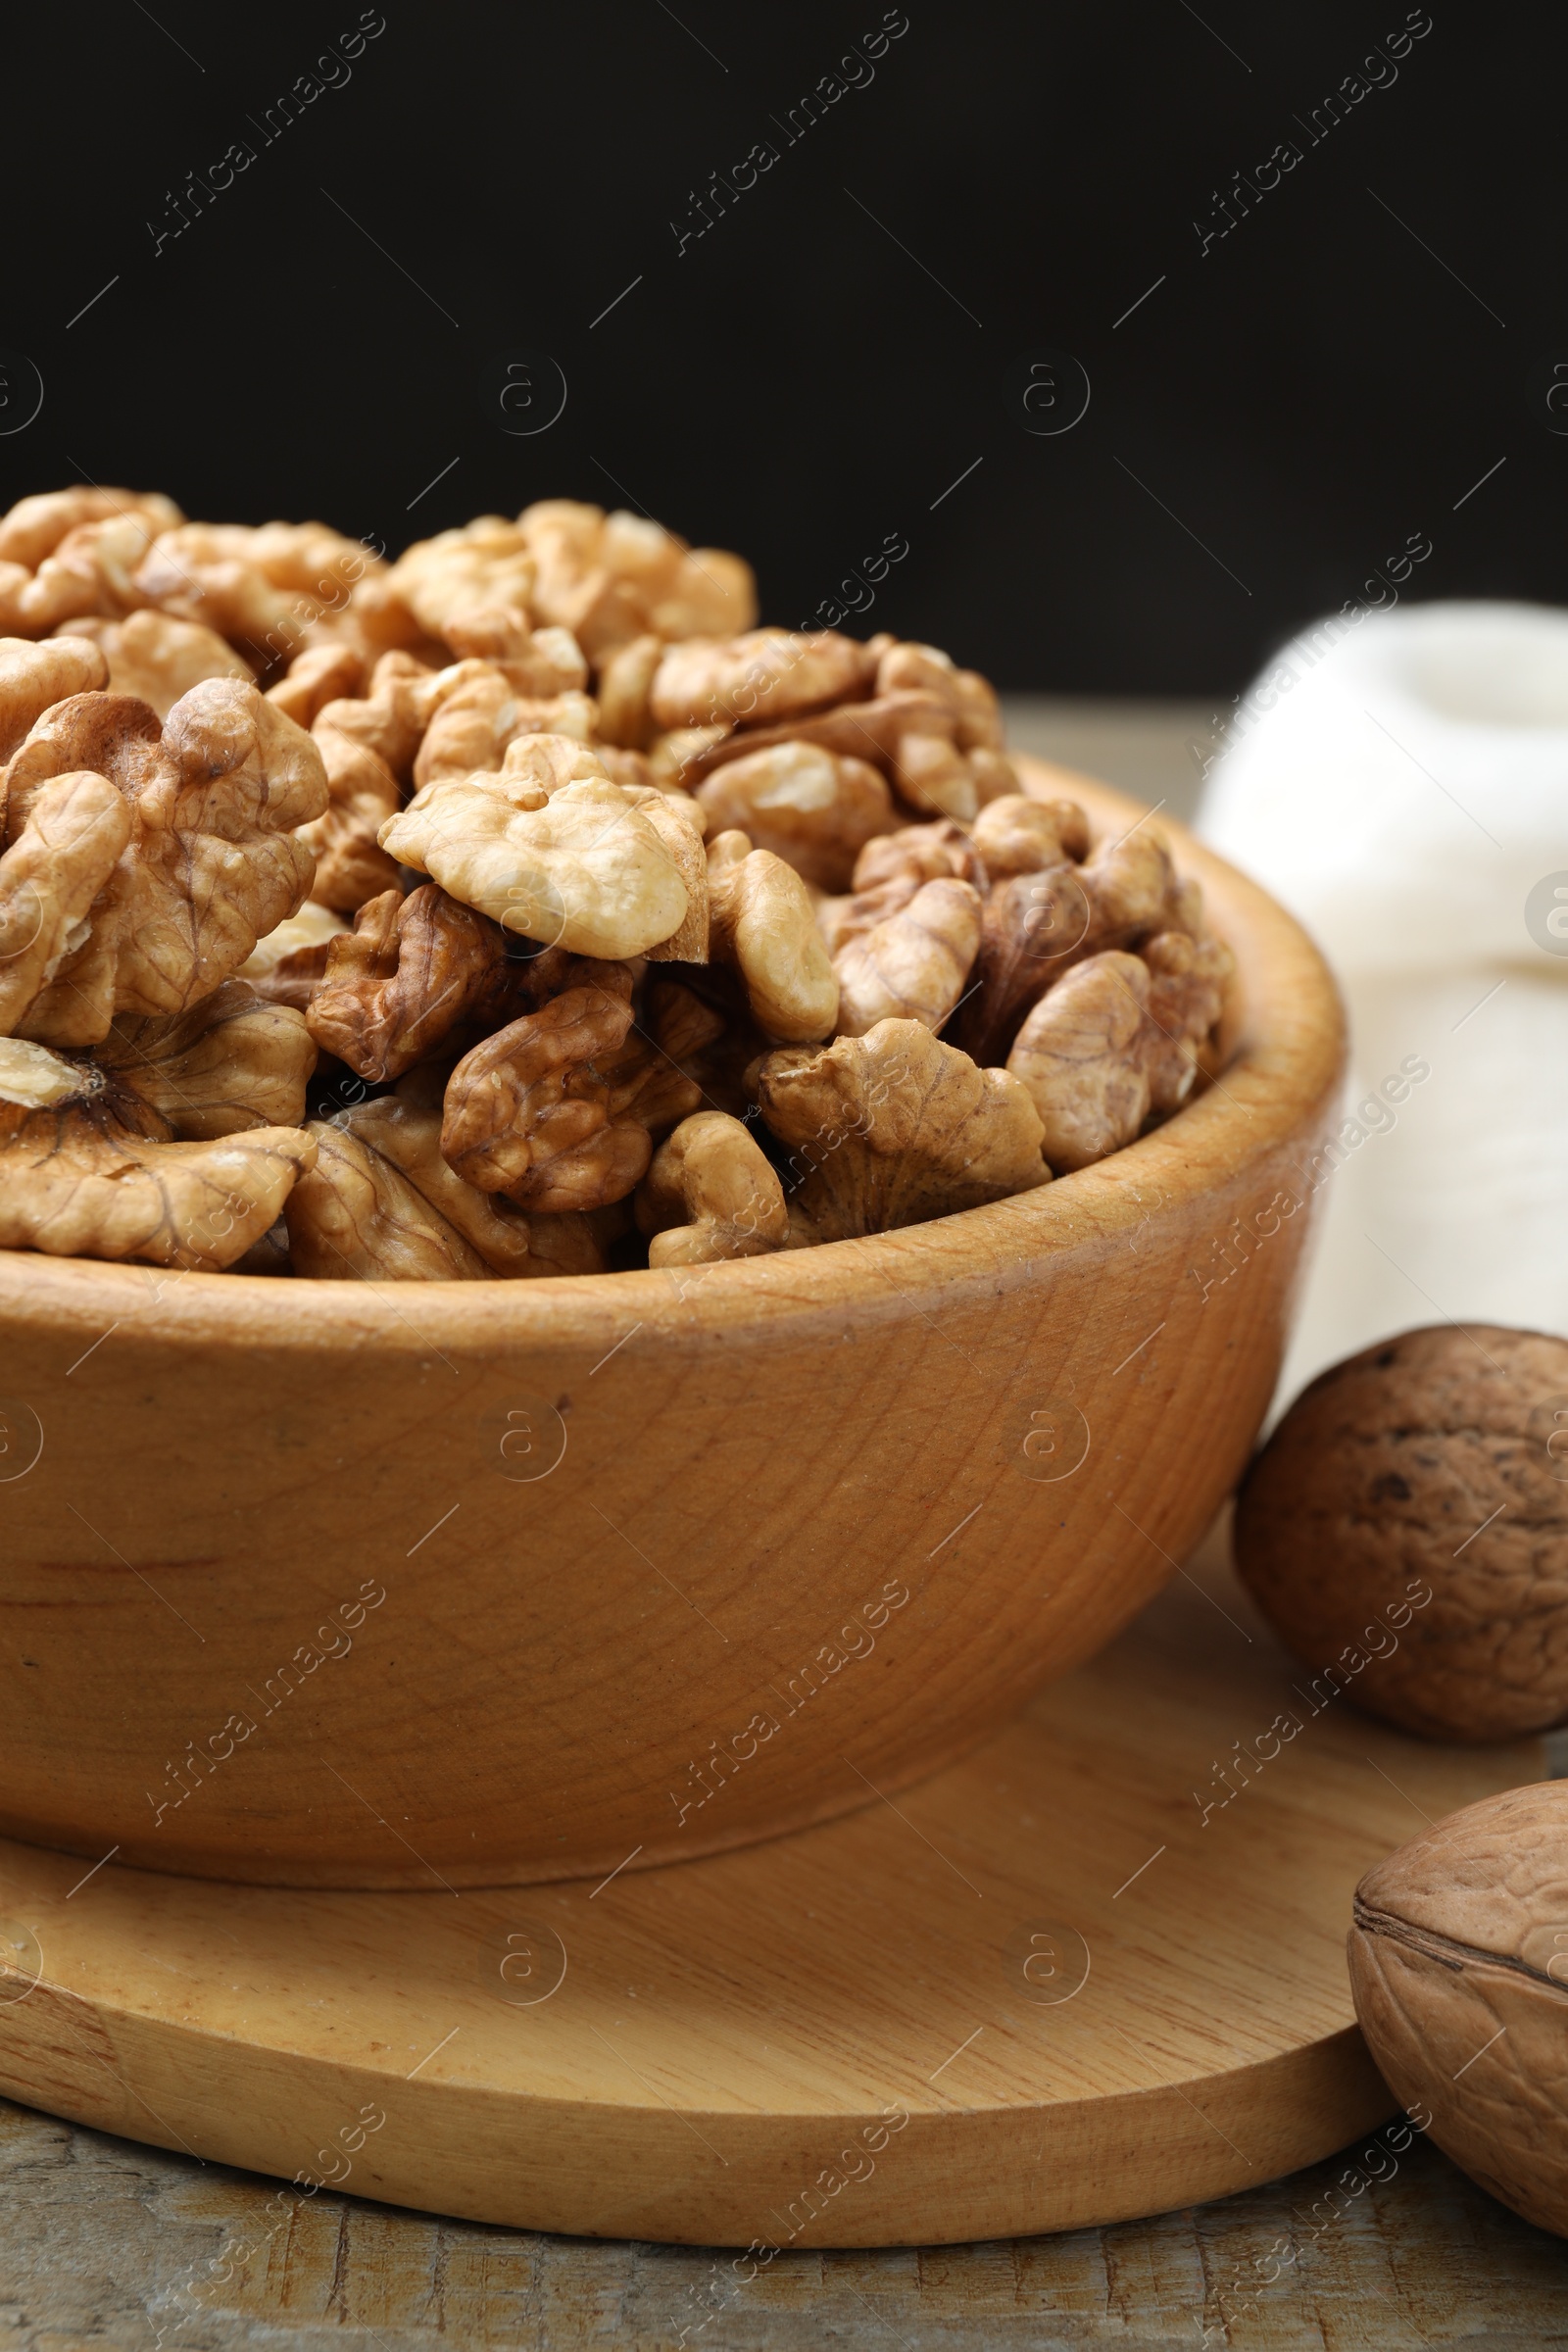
(804, 379)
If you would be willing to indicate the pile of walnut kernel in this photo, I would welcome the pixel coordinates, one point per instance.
(594, 925)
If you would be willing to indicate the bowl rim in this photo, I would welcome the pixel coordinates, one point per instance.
(1285, 1062)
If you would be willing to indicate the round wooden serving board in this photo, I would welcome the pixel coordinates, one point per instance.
(855, 2035)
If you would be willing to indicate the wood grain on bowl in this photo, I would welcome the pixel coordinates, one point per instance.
(424, 1584)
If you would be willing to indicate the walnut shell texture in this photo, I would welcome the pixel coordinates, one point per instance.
(1459, 1967)
(1437, 1459)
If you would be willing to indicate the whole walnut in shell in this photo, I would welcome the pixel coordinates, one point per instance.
(1430, 1464)
(1459, 1967)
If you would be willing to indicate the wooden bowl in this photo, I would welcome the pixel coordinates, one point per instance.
(327, 1584)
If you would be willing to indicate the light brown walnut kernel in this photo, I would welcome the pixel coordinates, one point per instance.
(33, 677)
(288, 964)
(1456, 1959)
(537, 662)
(764, 929)
(93, 1174)
(912, 965)
(410, 971)
(261, 589)
(320, 674)
(612, 577)
(482, 565)
(911, 735)
(357, 1216)
(368, 746)
(391, 719)
(994, 775)
(69, 554)
(512, 1103)
(895, 1127)
(970, 698)
(889, 872)
(1130, 883)
(76, 829)
(1083, 1055)
(711, 1194)
(1035, 926)
(483, 713)
(548, 1110)
(576, 863)
(1189, 979)
(230, 1063)
(158, 658)
(679, 822)
(625, 684)
(678, 759)
(931, 772)
(35, 526)
(766, 676)
(406, 1130)
(816, 809)
(1039, 924)
(212, 865)
(1016, 835)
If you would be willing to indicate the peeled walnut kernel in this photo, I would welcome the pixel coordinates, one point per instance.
(892, 1128)
(1428, 1465)
(1016, 835)
(210, 866)
(287, 966)
(87, 1170)
(68, 553)
(970, 698)
(1082, 1056)
(262, 589)
(914, 965)
(35, 527)
(535, 663)
(1187, 988)
(917, 853)
(1033, 928)
(576, 865)
(766, 675)
(368, 746)
(711, 1194)
(611, 577)
(33, 677)
(482, 564)
(159, 658)
(403, 979)
(474, 721)
(404, 1128)
(231, 1062)
(1458, 1961)
(62, 854)
(764, 929)
(354, 1215)
(320, 674)
(816, 809)
(556, 1108)
(625, 684)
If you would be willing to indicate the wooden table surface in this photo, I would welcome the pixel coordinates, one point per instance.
(101, 2239)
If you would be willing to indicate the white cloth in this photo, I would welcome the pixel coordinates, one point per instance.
(1401, 783)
